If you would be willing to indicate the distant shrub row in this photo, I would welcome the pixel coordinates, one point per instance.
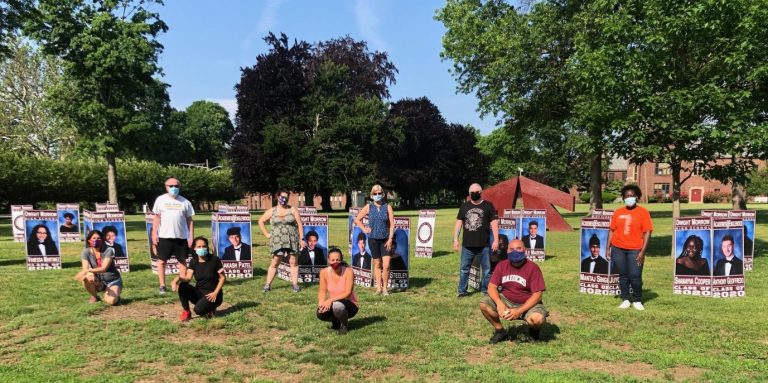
(43, 182)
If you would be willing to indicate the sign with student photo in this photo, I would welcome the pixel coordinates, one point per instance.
(43, 245)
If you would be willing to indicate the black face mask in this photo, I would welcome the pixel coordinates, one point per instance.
(475, 196)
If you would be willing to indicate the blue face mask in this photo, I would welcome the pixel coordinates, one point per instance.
(174, 191)
(630, 201)
(378, 197)
(516, 256)
(201, 252)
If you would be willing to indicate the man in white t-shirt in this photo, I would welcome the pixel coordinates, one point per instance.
(172, 229)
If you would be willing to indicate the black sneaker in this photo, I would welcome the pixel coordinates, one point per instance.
(535, 333)
(461, 295)
(342, 329)
(335, 325)
(499, 336)
(162, 290)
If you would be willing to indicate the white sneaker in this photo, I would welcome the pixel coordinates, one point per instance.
(638, 306)
(625, 305)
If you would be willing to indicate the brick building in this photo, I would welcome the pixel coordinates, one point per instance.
(656, 179)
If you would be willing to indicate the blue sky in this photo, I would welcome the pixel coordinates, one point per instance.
(209, 41)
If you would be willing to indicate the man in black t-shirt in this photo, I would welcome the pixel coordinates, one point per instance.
(479, 219)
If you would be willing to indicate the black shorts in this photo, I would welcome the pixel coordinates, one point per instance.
(172, 247)
(328, 315)
(378, 248)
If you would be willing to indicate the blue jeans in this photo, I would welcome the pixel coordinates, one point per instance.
(630, 274)
(468, 254)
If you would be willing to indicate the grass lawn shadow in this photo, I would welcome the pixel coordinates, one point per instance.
(520, 333)
(441, 253)
(15, 261)
(418, 282)
(236, 307)
(356, 323)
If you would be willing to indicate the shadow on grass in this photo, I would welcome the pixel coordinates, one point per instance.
(236, 307)
(520, 333)
(356, 323)
(442, 253)
(419, 282)
(9, 262)
(140, 267)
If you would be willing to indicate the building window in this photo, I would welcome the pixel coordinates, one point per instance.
(717, 190)
(662, 189)
(663, 169)
(610, 176)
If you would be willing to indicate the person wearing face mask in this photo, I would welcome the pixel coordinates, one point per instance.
(172, 229)
(522, 286)
(336, 299)
(207, 293)
(481, 225)
(628, 238)
(286, 238)
(98, 272)
(380, 233)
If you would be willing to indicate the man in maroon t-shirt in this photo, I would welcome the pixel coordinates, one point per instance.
(522, 285)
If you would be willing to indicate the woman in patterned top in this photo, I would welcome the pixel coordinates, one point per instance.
(286, 238)
(380, 231)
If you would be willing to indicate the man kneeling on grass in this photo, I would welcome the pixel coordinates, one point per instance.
(521, 285)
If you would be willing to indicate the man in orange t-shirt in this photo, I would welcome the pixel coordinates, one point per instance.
(631, 229)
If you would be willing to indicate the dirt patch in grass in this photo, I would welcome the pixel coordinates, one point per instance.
(689, 373)
(623, 347)
(636, 370)
(481, 355)
(143, 311)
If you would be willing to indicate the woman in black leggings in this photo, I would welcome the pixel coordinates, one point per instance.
(206, 294)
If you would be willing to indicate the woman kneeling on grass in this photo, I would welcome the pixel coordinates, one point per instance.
(206, 294)
(98, 270)
(336, 300)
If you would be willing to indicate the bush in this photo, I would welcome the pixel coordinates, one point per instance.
(653, 198)
(716, 197)
(607, 197)
(43, 182)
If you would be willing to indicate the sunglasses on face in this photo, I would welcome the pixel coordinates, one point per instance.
(377, 193)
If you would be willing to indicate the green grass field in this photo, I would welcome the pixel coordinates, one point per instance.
(49, 333)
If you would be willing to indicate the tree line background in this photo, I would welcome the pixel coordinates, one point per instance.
(571, 84)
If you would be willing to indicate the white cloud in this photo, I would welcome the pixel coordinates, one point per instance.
(368, 24)
(230, 104)
(267, 20)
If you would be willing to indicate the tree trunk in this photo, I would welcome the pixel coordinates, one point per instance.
(675, 189)
(309, 197)
(738, 197)
(348, 204)
(596, 181)
(112, 177)
(326, 200)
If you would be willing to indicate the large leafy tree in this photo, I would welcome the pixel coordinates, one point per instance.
(109, 52)
(308, 117)
(13, 15)
(517, 63)
(433, 154)
(694, 79)
(270, 117)
(208, 131)
(27, 125)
